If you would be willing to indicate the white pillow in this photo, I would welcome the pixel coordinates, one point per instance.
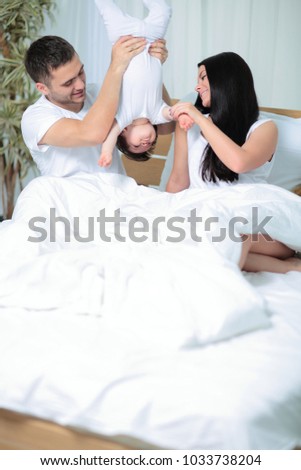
(286, 171)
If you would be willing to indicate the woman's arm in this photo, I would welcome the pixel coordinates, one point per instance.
(257, 150)
(179, 177)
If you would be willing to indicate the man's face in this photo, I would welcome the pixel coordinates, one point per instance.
(67, 86)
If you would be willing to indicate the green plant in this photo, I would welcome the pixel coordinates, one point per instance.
(20, 23)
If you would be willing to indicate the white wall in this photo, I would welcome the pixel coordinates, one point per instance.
(266, 33)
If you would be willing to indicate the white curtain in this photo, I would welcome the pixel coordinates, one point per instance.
(266, 33)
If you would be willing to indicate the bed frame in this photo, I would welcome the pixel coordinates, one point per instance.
(22, 432)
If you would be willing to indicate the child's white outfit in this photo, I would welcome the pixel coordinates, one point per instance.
(141, 93)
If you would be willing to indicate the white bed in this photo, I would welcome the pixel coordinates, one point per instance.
(238, 394)
(154, 344)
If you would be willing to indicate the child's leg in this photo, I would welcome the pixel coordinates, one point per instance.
(117, 22)
(156, 22)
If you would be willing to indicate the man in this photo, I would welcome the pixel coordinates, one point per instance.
(64, 128)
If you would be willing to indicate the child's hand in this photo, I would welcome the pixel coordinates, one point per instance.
(105, 159)
(185, 122)
(188, 109)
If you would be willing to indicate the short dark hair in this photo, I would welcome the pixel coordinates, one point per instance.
(47, 54)
(122, 145)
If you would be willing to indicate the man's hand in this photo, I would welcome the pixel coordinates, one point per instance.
(158, 49)
(125, 49)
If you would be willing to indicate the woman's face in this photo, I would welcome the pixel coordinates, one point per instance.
(203, 87)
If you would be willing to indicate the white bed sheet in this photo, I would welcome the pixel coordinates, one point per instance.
(148, 376)
(239, 394)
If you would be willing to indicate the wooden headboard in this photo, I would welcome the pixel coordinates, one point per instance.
(294, 113)
(149, 173)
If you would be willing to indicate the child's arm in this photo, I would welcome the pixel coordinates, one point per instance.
(105, 158)
(185, 121)
(167, 127)
(166, 113)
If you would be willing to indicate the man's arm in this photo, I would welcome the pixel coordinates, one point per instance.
(166, 128)
(158, 49)
(93, 129)
(165, 96)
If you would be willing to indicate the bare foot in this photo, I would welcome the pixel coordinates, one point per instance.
(294, 263)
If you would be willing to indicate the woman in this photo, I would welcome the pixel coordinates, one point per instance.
(228, 144)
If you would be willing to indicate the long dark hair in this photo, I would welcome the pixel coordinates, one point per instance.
(233, 108)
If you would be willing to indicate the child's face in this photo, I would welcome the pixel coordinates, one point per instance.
(139, 137)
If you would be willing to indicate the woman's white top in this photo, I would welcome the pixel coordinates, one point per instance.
(196, 146)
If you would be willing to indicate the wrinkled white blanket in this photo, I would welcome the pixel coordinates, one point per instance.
(153, 269)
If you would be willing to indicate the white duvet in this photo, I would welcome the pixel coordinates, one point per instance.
(156, 294)
(57, 256)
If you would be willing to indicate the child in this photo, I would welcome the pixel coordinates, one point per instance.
(141, 104)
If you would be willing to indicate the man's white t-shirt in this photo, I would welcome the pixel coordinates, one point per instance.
(62, 161)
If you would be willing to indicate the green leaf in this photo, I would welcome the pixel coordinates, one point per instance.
(20, 24)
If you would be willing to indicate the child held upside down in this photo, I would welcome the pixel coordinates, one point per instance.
(141, 105)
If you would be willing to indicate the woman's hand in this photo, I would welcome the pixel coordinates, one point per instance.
(158, 49)
(186, 108)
